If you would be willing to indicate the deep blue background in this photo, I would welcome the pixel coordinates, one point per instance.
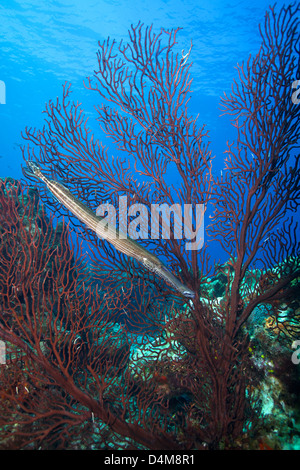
(45, 43)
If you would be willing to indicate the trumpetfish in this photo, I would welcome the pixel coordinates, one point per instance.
(107, 231)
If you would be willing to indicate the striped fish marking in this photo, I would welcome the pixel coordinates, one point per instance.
(107, 231)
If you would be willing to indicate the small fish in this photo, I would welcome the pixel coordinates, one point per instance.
(125, 244)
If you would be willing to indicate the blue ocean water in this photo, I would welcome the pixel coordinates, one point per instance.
(44, 44)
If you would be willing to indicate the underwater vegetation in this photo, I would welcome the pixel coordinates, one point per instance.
(100, 352)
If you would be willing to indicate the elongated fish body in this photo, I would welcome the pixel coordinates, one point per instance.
(107, 231)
